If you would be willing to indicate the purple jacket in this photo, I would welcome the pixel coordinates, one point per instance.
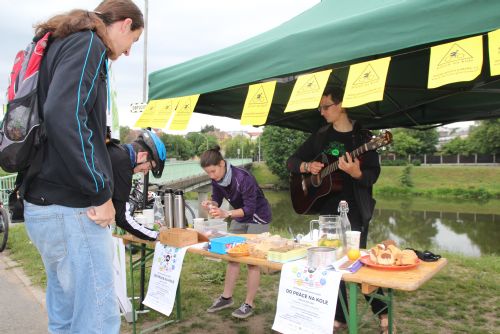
(244, 193)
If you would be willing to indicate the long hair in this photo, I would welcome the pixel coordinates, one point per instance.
(211, 157)
(107, 13)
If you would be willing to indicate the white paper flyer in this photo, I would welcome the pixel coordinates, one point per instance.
(306, 300)
(164, 278)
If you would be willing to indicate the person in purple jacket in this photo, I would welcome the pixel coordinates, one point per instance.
(251, 213)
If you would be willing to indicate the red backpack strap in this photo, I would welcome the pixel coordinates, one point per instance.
(36, 58)
(18, 65)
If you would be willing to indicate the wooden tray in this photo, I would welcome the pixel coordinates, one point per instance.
(366, 260)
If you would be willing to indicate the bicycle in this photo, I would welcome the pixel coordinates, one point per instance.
(4, 227)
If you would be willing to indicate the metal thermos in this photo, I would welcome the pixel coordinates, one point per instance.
(179, 209)
(168, 206)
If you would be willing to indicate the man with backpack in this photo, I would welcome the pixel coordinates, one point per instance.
(146, 153)
(68, 205)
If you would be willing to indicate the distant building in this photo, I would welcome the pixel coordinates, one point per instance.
(446, 134)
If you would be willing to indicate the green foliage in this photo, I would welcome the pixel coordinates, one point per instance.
(201, 142)
(416, 162)
(239, 143)
(177, 147)
(278, 145)
(208, 128)
(412, 141)
(485, 137)
(127, 135)
(457, 146)
(396, 162)
(405, 177)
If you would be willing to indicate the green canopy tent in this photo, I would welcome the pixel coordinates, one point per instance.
(335, 34)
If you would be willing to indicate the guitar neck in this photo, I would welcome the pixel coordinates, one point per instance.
(335, 165)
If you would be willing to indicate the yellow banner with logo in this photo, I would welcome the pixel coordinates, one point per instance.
(156, 114)
(183, 112)
(258, 103)
(366, 82)
(494, 51)
(307, 91)
(455, 62)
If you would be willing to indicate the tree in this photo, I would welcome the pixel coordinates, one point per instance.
(415, 141)
(240, 144)
(404, 144)
(177, 147)
(485, 137)
(127, 135)
(201, 141)
(278, 145)
(457, 146)
(209, 128)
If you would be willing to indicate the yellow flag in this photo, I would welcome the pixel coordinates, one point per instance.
(156, 114)
(307, 91)
(494, 50)
(183, 112)
(456, 61)
(258, 103)
(366, 82)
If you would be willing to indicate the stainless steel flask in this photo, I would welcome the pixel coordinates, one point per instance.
(168, 205)
(179, 209)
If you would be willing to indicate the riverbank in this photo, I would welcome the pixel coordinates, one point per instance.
(462, 298)
(461, 182)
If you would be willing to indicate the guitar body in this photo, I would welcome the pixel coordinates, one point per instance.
(307, 190)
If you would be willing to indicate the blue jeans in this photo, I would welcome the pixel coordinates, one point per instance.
(77, 254)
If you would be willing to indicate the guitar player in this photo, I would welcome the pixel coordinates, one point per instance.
(354, 179)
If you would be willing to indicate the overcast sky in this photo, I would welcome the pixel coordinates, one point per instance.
(179, 30)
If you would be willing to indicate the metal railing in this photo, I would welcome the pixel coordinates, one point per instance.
(6, 184)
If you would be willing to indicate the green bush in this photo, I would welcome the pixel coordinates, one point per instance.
(397, 162)
(405, 177)
(416, 162)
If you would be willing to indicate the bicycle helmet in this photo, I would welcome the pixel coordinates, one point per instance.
(156, 149)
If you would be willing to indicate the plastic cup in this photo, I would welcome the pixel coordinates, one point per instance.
(197, 221)
(352, 238)
(149, 217)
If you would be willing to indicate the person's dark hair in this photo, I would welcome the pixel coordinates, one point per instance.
(335, 92)
(107, 13)
(211, 157)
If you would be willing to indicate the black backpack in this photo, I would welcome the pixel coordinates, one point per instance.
(21, 131)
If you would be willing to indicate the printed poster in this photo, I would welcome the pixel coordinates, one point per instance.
(307, 91)
(164, 278)
(258, 103)
(455, 62)
(366, 82)
(120, 278)
(183, 112)
(156, 114)
(306, 300)
(494, 51)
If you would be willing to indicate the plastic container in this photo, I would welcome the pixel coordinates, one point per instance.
(221, 245)
(218, 225)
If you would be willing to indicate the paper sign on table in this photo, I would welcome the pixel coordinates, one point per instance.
(494, 51)
(183, 112)
(456, 61)
(366, 82)
(306, 301)
(164, 278)
(258, 103)
(307, 91)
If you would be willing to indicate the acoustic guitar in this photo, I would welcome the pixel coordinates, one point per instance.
(307, 188)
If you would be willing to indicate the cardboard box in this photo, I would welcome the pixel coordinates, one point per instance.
(221, 245)
(178, 237)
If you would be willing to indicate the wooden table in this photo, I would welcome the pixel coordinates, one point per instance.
(369, 279)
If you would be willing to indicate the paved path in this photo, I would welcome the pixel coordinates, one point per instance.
(22, 305)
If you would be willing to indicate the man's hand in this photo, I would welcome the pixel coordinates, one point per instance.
(208, 204)
(350, 166)
(102, 215)
(315, 167)
(218, 212)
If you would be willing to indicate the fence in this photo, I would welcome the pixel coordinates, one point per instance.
(6, 184)
(426, 159)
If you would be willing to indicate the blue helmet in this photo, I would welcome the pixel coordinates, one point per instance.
(156, 149)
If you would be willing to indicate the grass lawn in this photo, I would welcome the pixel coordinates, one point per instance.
(463, 298)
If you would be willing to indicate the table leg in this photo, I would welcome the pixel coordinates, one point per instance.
(131, 263)
(353, 308)
(143, 275)
(390, 309)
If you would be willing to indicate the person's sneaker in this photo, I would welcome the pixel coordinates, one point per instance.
(220, 304)
(243, 312)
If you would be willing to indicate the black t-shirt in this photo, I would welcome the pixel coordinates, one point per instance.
(335, 146)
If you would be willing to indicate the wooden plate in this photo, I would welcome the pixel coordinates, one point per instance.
(366, 260)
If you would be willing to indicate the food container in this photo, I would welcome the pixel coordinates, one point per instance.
(320, 257)
(206, 225)
(221, 245)
(285, 254)
(178, 237)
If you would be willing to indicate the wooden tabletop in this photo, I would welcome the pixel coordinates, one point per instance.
(369, 278)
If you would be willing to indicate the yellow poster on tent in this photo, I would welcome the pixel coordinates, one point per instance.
(156, 114)
(183, 112)
(258, 103)
(494, 51)
(307, 91)
(455, 62)
(366, 82)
